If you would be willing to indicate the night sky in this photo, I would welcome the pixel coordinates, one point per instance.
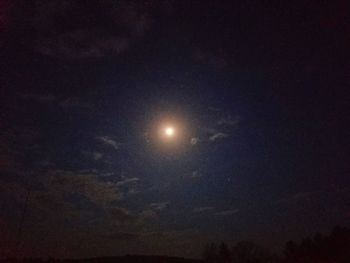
(257, 92)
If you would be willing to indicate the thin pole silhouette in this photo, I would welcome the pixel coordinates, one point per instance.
(21, 222)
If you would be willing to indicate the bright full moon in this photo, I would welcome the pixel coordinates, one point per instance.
(169, 131)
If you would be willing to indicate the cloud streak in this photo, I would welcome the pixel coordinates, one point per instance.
(218, 136)
(128, 181)
(159, 205)
(196, 174)
(227, 212)
(108, 141)
(99, 192)
(203, 209)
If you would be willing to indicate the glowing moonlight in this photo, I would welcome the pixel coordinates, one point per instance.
(169, 131)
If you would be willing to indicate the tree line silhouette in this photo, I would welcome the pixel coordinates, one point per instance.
(242, 252)
(332, 248)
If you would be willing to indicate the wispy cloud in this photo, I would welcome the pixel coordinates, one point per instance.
(109, 141)
(203, 209)
(97, 156)
(227, 212)
(99, 192)
(40, 98)
(148, 213)
(219, 126)
(72, 102)
(196, 174)
(119, 215)
(123, 236)
(127, 181)
(194, 140)
(154, 209)
(128, 22)
(63, 102)
(68, 45)
(228, 121)
(218, 136)
(159, 205)
(217, 61)
(301, 196)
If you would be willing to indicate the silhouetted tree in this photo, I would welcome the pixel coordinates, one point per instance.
(249, 252)
(334, 248)
(290, 251)
(224, 253)
(210, 253)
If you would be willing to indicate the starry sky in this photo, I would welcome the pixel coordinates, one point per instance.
(258, 91)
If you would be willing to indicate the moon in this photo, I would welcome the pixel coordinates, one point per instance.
(169, 131)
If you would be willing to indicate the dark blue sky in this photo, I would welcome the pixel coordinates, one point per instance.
(260, 90)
